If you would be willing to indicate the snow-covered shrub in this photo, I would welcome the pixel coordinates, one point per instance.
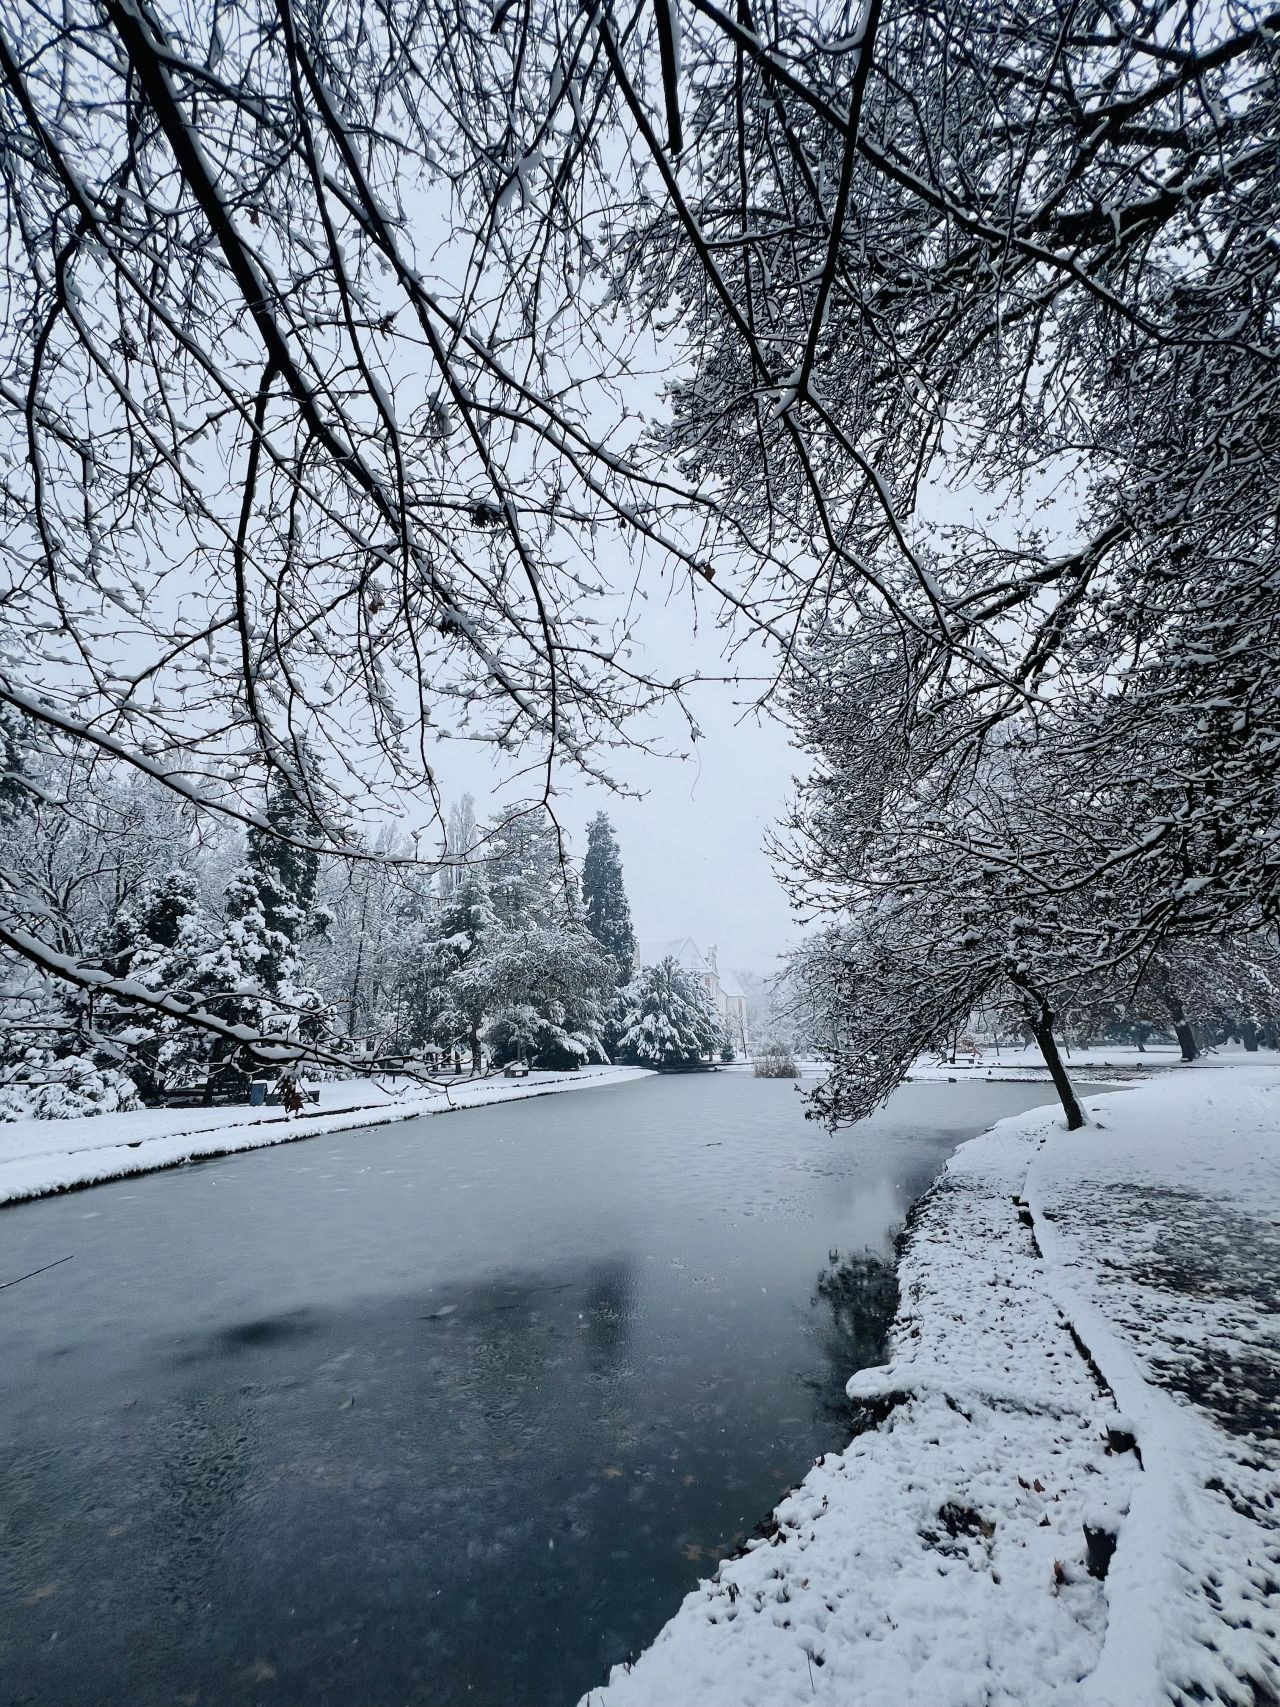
(82, 1088)
(520, 1033)
(15, 1103)
(667, 1019)
(774, 1061)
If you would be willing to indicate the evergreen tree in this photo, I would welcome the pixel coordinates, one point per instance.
(270, 903)
(667, 1019)
(544, 991)
(256, 975)
(248, 966)
(168, 944)
(608, 916)
(261, 956)
(447, 1007)
(527, 879)
(170, 908)
(283, 873)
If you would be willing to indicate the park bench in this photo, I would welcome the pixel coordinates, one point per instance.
(263, 1093)
(197, 1096)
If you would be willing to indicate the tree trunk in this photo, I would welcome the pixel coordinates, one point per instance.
(1181, 1028)
(476, 1064)
(228, 1077)
(217, 1055)
(1042, 1031)
(1249, 1036)
(353, 1000)
(1039, 1022)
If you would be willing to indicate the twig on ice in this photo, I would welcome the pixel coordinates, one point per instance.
(35, 1271)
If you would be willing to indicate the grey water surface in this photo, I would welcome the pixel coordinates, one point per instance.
(449, 1411)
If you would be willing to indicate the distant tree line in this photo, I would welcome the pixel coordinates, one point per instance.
(507, 951)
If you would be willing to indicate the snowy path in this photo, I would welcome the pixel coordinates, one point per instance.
(1064, 1295)
(1161, 1238)
(42, 1156)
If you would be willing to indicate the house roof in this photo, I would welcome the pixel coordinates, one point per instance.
(685, 952)
(682, 949)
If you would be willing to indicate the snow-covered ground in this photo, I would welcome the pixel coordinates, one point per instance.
(42, 1156)
(1101, 1061)
(1086, 1355)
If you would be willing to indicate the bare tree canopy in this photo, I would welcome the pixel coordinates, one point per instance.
(276, 482)
(308, 444)
(330, 338)
(931, 258)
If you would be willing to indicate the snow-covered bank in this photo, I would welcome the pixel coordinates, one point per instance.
(1102, 1061)
(42, 1156)
(1085, 1358)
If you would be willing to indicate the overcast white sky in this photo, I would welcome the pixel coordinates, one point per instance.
(691, 848)
(692, 845)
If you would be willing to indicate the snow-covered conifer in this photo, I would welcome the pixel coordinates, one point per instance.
(667, 1019)
(529, 881)
(606, 909)
(446, 1007)
(168, 946)
(543, 991)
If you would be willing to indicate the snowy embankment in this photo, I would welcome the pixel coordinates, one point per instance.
(42, 1156)
(1102, 1061)
(1072, 1494)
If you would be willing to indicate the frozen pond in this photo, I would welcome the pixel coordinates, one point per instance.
(449, 1411)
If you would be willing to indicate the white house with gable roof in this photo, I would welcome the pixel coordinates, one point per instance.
(722, 987)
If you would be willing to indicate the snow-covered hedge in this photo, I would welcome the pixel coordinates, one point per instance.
(80, 1088)
(774, 1061)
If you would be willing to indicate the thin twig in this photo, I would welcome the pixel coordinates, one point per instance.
(35, 1271)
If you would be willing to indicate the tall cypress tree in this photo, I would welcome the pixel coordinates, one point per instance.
(269, 909)
(460, 838)
(283, 874)
(607, 912)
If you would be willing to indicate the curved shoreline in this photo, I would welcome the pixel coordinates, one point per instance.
(32, 1174)
(1050, 1504)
